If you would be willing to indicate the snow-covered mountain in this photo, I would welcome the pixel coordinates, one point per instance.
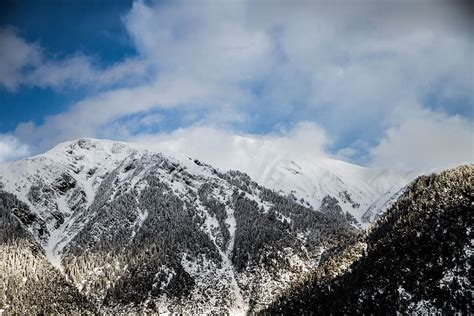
(307, 174)
(135, 230)
(44, 183)
(364, 193)
(101, 227)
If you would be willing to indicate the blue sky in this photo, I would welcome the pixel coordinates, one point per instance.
(384, 84)
(92, 28)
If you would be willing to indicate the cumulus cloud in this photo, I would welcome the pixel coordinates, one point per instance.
(349, 68)
(427, 140)
(11, 148)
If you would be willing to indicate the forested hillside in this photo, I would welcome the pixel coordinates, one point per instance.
(418, 257)
(29, 284)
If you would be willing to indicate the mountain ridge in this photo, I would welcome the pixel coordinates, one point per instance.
(361, 191)
(138, 231)
(129, 230)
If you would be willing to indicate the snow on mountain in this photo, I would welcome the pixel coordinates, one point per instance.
(68, 164)
(181, 236)
(362, 192)
(417, 258)
(131, 230)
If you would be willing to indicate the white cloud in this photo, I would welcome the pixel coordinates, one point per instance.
(92, 116)
(357, 65)
(425, 141)
(226, 149)
(350, 68)
(80, 71)
(23, 63)
(15, 55)
(205, 40)
(11, 148)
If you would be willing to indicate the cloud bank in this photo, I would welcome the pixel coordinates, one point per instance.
(366, 75)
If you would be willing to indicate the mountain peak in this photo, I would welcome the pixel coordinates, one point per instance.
(83, 145)
(218, 234)
(362, 192)
(134, 230)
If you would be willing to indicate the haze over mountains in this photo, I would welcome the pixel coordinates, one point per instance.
(114, 227)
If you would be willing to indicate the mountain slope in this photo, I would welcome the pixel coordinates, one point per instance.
(29, 285)
(365, 193)
(362, 192)
(418, 257)
(137, 231)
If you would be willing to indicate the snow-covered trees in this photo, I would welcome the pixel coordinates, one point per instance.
(160, 234)
(29, 284)
(418, 257)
